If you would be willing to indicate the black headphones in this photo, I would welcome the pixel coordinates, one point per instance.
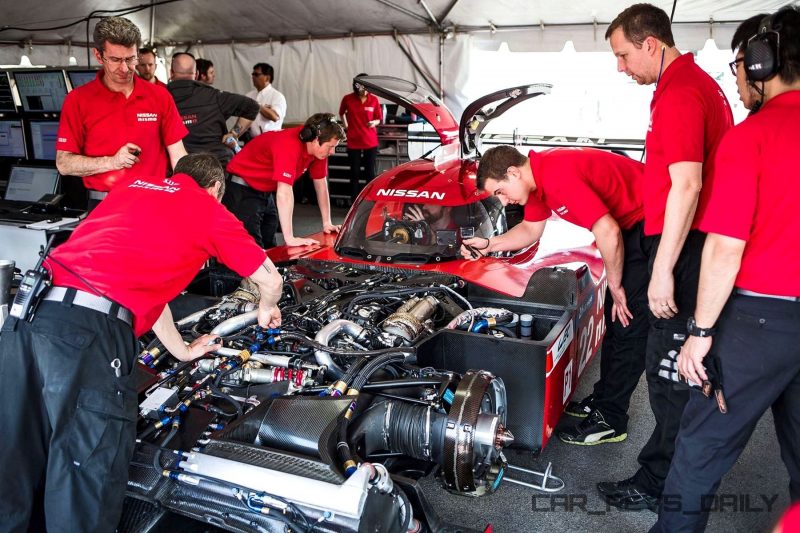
(762, 58)
(309, 132)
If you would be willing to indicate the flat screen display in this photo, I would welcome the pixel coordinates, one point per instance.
(43, 139)
(6, 96)
(41, 90)
(80, 77)
(12, 139)
(28, 184)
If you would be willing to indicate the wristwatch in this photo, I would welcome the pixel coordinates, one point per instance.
(695, 331)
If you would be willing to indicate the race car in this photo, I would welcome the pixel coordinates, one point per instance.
(397, 358)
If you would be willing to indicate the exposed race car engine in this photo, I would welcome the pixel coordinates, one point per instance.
(313, 421)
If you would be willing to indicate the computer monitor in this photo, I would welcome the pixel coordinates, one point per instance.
(41, 90)
(12, 139)
(29, 184)
(43, 139)
(6, 96)
(80, 77)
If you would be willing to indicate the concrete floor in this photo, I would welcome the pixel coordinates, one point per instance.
(758, 473)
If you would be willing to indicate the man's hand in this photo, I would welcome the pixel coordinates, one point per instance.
(661, 295)
(690, 360)
(373, 123)
(269, 316)
(125, 158)
(299, 241)
(620, 308)
(414, 213)
(331, 228)
(475, 248)
(202, 345)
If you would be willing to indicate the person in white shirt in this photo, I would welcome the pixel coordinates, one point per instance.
(272, 102)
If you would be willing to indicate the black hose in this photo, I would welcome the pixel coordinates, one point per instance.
(214, 389)
(157, 456)
(508, 332)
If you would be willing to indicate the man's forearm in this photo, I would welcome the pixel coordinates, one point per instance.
(323, 199)
(268, 112)
(70, 164)
(167, 333)
(678, 216)
(176, 151)
(520, 236)
(284, 200)
(609, 241)
(269, 281)
(722, 257)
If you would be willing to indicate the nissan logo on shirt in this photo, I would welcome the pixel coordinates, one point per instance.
(147, 117)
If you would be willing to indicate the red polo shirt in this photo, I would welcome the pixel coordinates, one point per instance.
(97, 122)
(359, 135)
(276, 156)
(146, 241)
(754, 196)
(688, 116)
(583, 184)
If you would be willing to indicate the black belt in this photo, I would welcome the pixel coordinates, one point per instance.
(90, 301)
(745, 292)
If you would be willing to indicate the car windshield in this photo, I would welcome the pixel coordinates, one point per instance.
(399, 231)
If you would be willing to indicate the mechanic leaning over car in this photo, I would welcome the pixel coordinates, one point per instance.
(688, 116)
(748, 303)
(118, 124)
(67, 398)
(601, 192)
(270, 164)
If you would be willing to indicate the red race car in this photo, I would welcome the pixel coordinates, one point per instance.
(396, 358)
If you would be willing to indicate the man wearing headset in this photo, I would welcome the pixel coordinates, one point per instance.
(269, 165)
(688, 116)
(748, 302)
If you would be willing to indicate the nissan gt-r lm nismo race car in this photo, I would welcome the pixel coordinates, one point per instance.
(396, 359)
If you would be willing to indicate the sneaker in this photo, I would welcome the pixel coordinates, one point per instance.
(580, 409)
(627, 495)
(590, 431)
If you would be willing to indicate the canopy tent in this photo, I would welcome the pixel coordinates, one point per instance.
(317, 46)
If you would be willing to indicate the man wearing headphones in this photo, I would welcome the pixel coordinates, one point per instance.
(269, 165)
(688, 117)
(748, 302)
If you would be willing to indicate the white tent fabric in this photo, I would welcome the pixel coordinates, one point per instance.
(314, 72)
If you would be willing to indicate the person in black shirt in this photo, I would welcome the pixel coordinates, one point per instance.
(205, 110)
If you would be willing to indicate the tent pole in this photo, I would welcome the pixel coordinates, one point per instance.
(442, 37)
(414, 64)
(152, 22)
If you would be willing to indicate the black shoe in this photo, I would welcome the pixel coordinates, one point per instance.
(590, 431)
(627, 495)
(580, 409)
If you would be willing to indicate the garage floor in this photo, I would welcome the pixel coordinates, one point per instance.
(758, 474)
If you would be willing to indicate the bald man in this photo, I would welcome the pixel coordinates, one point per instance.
(205, 110)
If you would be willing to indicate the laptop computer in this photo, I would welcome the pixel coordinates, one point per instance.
(26, 186)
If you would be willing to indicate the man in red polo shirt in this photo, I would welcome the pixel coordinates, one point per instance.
(361, 113)
(748, 304)
(601, 192)
(269, 165)
(146, 67)
(117, 125)
(689, 114)
(69, 406)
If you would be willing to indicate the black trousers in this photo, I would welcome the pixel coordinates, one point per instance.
(255, 209)
(622, 360)
(758, 343)
(666, 399)
(69, 423)
(355, 157)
